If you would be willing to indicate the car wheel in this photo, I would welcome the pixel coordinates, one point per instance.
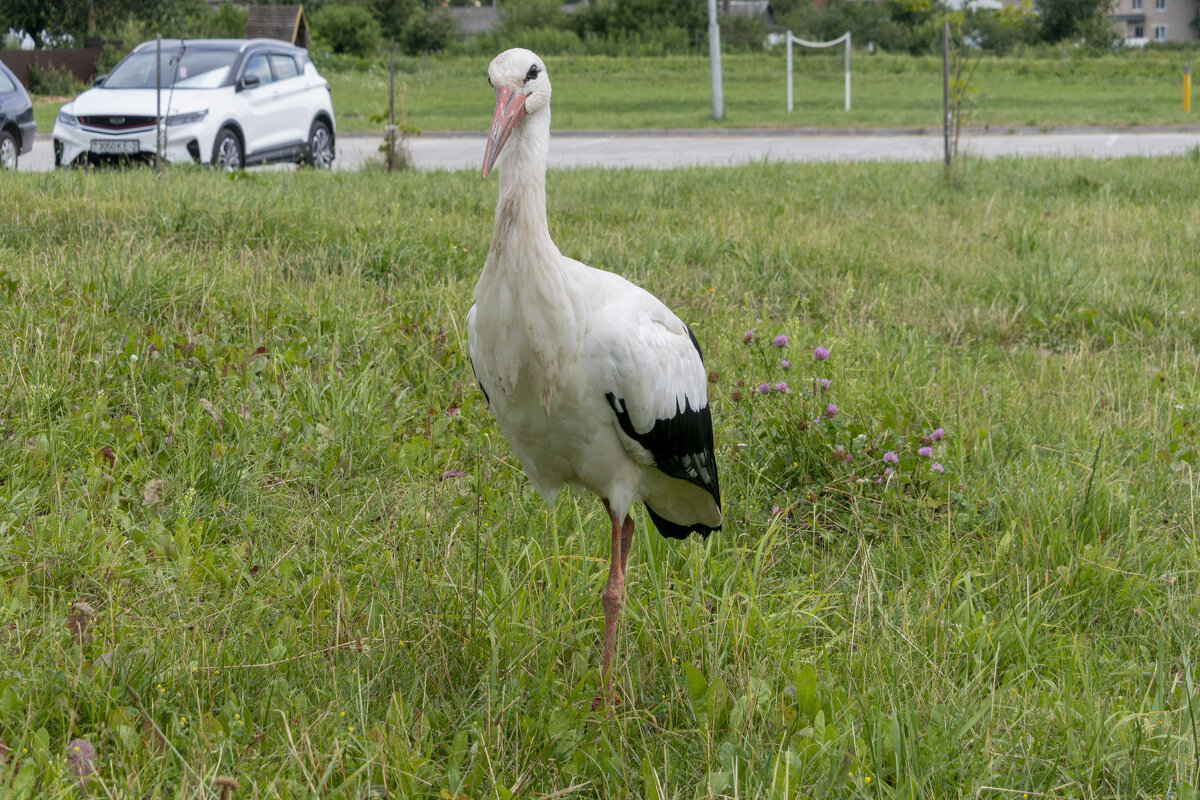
(8, 150)
(319, 153)
(227, 151)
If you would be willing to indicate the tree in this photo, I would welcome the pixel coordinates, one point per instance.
(347, 29)
(394, 16)
(523, 15)
(636, 16)
(49, 21)
(427, 32)
(1063, 20)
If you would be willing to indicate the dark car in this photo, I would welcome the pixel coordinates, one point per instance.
(16, 119)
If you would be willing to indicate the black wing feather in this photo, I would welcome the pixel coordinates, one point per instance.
(486, 399)
(682, 448)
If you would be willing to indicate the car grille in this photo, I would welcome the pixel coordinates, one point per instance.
(116, 122)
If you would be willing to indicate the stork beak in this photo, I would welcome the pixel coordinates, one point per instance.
(510, 108)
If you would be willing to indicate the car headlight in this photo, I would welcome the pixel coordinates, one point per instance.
(185, 119)
(68, 119)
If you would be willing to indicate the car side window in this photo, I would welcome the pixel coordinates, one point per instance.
(258, 66)
(284, 66)
(6, 85)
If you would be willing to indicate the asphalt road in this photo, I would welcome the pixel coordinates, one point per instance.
(621, 149)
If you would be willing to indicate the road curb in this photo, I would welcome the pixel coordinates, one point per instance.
(998, 130)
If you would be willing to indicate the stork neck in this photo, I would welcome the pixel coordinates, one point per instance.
(521, 209)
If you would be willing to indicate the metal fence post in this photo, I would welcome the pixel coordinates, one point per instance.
(789, 63)
(946, 89)
(158, 121)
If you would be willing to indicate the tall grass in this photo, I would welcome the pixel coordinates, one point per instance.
(234, 414)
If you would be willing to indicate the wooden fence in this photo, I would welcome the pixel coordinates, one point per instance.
(81, 63)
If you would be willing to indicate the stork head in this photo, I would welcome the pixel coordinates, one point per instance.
(522, 89)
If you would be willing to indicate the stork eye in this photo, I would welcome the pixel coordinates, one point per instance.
(532, 74)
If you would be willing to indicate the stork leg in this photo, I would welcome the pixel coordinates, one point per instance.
(622, 540)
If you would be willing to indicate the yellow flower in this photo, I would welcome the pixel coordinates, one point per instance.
(76, 748)
(183, 720)
(867, 779)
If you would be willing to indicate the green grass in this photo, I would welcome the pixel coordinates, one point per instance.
(595, 92)
(227, 407)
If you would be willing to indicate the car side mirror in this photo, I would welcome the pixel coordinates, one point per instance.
(99, 80)
(250, 81)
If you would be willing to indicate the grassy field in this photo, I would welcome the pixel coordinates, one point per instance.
(256, 521)
(592, 92)
(887, 90)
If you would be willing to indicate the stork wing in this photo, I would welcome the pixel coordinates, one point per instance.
(471, 339)
(656, 386)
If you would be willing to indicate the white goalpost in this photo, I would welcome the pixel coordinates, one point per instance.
(844, 38)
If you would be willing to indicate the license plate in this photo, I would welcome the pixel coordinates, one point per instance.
(116, 146)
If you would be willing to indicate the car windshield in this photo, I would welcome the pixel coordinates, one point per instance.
(196, 69)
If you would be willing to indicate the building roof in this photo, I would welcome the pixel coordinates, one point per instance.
(286, 23)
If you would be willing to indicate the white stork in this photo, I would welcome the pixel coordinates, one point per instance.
(594, 382)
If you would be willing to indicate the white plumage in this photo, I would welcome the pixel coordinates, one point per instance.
(593, 381)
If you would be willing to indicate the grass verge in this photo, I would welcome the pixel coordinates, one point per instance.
(596, 92)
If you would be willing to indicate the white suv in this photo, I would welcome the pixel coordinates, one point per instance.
(225, 102)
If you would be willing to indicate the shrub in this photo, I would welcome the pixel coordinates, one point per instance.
(52, 80)
(427, 32)
(743, 32)
(1003, 29)
(640, 16)
(547, 42)
(394, 16)
(227, 22)
(1075, 20)
(523, 15)
(898, 25)
(347, 29)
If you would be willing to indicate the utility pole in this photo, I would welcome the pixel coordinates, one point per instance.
(714, 60)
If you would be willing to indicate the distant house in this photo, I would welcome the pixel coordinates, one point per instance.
(286, 23)
(1143, 21)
